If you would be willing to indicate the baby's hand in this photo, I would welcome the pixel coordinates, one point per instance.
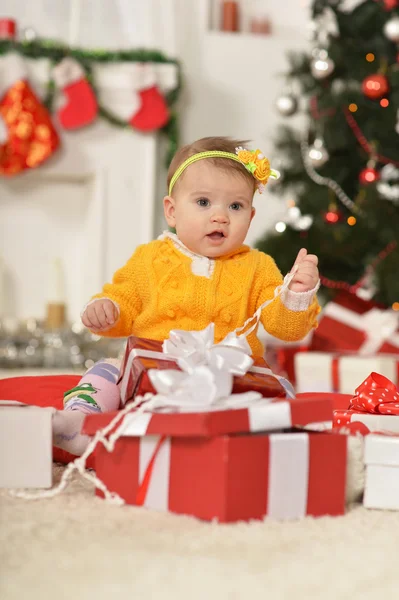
(307, 273)
(100, 315)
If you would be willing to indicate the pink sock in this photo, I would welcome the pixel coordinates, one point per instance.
(96, 392)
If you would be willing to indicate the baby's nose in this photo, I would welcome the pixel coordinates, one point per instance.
(220, 217)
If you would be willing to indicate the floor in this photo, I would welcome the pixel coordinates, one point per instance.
(78, 546)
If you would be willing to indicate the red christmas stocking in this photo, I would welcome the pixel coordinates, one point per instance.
(28, 136)
(153, 112)
(81, 107)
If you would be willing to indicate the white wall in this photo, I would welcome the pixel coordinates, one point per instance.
(232, 82)
(98, 23)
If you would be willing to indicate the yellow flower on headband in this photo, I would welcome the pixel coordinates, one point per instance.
(262, 171)
(256, 163)
(245, 156)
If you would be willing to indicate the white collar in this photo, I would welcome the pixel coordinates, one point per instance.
(200, 265)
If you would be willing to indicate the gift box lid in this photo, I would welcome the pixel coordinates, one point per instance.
(262, 415)
(381, 449)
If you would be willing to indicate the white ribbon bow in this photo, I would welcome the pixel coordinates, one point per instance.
(202, 389)
(194, 348)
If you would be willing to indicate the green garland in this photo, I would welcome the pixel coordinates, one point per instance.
(55, 52)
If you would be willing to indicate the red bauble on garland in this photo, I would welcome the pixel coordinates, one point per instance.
(391, 4)
(368, 175)
(375, 86)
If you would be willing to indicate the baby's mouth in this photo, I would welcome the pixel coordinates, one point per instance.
(216, 235)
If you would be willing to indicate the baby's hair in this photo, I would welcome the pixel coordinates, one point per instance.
(224, 144)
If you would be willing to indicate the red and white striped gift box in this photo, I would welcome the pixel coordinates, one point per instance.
(350, 324)
(192, 464)
(325, 372)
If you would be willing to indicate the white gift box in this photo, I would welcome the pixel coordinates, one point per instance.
(381, 458)
(325, 372)
(26, 452)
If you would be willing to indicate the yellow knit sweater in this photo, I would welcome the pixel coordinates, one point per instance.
(157, 291)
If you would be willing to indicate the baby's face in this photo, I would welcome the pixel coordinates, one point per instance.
(211, 209)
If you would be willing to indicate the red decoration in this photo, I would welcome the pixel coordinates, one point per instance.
(153, 113)
(30, 138)
(390, 4)
(377, 394)
(8, 29)
(375, 86)
(80, 108)
(333, 216)
(368, 175)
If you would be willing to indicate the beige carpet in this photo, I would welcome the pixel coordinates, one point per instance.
(77, 546)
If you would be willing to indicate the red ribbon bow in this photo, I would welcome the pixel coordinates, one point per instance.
(377, 394)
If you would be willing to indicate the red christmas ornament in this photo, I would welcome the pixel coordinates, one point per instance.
(390, 4)
(375, 86)
(368, 175)
(332, 216)
(28, 137)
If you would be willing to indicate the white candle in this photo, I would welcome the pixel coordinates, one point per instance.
(57, 284)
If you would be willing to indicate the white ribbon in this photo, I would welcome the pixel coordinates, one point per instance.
(202, 389)
(288, 475)
(378, 325)
(193, 348)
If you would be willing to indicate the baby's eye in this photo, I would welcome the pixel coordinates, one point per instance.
(235, 206)
(203, 202)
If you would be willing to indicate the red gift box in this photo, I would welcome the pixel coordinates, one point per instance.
(350, 324)
(191, 464)
(143, 354)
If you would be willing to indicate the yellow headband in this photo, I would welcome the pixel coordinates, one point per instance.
(253, 160)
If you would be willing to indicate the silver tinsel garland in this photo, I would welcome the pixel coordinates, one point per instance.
(27, 344)
(326, 181)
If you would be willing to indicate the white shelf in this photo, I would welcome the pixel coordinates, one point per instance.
(277, 36)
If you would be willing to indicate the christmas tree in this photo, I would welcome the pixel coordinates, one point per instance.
(340, 172)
